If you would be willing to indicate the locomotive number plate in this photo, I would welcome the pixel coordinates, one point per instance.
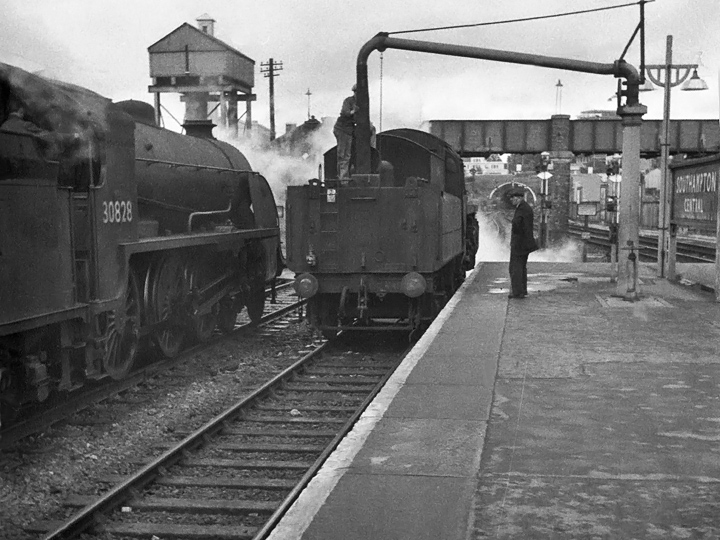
(331, 195)
(117, 211)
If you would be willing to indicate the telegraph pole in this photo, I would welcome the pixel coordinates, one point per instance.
(308, 94)
(270, 68)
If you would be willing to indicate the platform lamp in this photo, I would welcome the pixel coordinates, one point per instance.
(668, 75)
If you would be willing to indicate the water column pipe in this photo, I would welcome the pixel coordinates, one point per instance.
(382, 41)
(629, 206)
(631, 113)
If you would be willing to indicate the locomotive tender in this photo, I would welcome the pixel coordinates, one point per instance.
(114, 231)
(384, 250)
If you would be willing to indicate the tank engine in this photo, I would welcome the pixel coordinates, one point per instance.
(384, 250)
(114, 231)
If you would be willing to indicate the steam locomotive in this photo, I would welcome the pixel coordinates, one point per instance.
(114, 232)
(384, 250)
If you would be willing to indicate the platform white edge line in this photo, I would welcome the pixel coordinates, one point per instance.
(298, 518)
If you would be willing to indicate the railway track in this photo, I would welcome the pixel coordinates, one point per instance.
(236, 475)
(283, 302)
(689, 249)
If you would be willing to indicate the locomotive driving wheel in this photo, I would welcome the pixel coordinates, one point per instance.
(168, 288)
(121, 333)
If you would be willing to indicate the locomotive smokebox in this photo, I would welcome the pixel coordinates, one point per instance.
(179, 176)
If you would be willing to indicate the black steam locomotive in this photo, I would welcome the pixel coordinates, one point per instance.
(113, 232)
(384, 250)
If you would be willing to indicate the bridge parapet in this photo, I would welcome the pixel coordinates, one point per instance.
(480, 138)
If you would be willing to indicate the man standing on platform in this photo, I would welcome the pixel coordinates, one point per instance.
(522, 243)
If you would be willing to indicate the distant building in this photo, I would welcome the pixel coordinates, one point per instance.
(652, 179)
(260, 133)
(299, 140)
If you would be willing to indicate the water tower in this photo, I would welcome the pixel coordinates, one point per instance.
(205, 70)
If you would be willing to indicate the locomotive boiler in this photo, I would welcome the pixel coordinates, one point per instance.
(115, 232)
(384, 250)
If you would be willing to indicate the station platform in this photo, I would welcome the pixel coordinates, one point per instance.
(571, 413)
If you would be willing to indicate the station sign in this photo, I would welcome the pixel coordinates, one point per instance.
(587, 208)
(695, 193)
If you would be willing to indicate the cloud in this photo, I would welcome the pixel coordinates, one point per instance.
(24, 44)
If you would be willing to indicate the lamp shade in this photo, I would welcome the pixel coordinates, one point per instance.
(647, 86)
(695, 83)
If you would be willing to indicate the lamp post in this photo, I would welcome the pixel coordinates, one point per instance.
(668, 75)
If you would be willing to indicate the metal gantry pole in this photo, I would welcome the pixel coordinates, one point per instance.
(668, 76)
(664, 207)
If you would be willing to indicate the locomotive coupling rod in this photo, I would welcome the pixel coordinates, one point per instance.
(382, 41)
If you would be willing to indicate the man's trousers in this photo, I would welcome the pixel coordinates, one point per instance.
(518, 273)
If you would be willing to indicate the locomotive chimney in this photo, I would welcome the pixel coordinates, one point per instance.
(206, 24)
(199, 128)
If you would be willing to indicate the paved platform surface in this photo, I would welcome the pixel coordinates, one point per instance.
(568, 414)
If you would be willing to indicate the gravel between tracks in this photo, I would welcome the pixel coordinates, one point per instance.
(37, 476)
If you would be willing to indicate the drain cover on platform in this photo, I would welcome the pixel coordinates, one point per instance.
(619, 302)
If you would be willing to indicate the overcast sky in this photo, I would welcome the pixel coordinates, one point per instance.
(102, 45)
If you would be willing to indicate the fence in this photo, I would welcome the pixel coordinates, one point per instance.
(649, 211)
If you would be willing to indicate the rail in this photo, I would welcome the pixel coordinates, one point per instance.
(45, 418)
(315, 385)
(689, 249)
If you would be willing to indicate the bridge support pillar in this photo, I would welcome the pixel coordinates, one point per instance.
(561, 181)
(561, 188)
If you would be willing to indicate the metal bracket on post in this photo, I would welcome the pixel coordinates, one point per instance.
(633, 260)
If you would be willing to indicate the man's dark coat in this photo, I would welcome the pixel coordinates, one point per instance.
(522, 240)
(522, 243)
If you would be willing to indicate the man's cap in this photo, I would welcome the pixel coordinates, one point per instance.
(516, 192)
